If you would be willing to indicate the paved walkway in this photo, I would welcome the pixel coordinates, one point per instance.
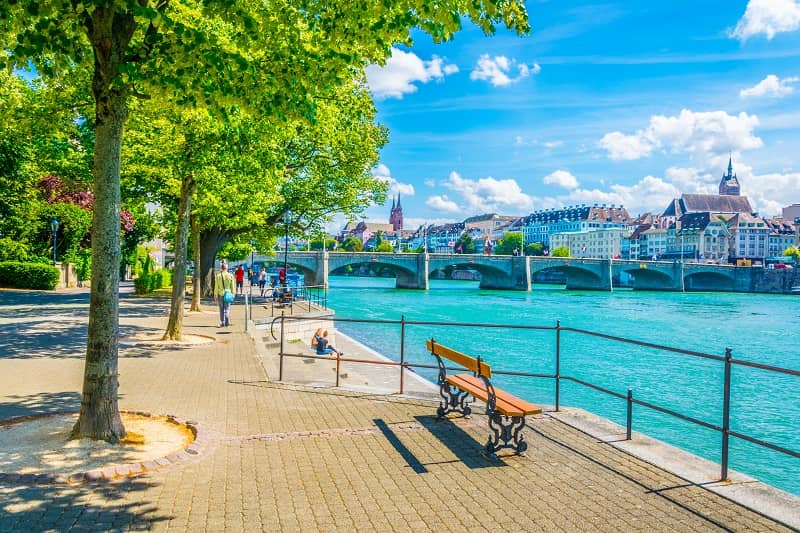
(291, 458)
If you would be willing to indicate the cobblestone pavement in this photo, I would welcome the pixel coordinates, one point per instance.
(288, 458)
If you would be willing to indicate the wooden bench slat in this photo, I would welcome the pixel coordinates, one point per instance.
(506, 403)
(470, 363)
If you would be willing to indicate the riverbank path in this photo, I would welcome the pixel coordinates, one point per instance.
(290, 458)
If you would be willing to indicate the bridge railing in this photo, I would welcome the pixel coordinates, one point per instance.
(727, 361)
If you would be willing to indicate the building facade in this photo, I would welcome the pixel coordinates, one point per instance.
(749, 237)
(604, 243)
(539, 226)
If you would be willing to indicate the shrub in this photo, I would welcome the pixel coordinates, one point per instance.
(28, 275)
(147, 283)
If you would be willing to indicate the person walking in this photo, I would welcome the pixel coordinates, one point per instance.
(239, 275)
(223, 294)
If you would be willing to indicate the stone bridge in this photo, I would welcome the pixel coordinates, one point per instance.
(412, 271)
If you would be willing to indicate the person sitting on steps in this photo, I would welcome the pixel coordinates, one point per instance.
(323, 345)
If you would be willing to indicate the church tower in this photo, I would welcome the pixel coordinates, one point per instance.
(396, 214)
(729, 185)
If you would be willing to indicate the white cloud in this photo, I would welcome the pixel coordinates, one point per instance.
(414, 223)
(397, 77)
(562, 178)
(383, 173)
(430, 183)
(771, 86)
(442, 203)
(768, 17)
(499, 71)
(769, 192)
(621, 146)
(692, 180)
(489, 194)
(702, 134)
(553, 144)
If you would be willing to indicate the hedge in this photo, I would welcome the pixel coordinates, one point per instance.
(147, 283)
(28, 275)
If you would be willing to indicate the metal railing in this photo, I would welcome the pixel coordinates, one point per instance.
(303, 298)
(728, 361)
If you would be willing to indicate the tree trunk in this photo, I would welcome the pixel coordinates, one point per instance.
(211, 240)
(196, 278)
(175, 324)
(99, 416)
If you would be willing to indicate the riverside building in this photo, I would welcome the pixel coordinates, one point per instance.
(541, 225)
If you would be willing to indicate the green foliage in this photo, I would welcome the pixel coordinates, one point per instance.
(12, 250)
(74, 225)
(466, 243)
(28, 275)
(83, 265)
(534, 248)
(147, 283)
(793, 251)
(560, 251)
(233, 251)
(352, 244)
(511, 241)
(384, 246)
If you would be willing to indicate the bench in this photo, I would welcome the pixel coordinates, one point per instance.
(506, 412)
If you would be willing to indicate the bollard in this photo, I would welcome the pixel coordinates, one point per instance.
(629, 424)
(338, 366)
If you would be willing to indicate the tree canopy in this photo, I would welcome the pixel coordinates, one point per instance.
(273, 57)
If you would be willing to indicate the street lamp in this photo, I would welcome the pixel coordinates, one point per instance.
(287, 218)
(54, 228)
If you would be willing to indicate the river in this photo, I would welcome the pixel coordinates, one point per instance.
(757, 327)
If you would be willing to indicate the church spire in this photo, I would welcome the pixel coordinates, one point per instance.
(393, 205)
(398, 200)
(730, 164)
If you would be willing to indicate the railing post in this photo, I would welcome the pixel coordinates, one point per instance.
(338, 363)
(246, 313)
(629, 423)
(726, 413)
(402, 350)
(283, 336)
(558, 364)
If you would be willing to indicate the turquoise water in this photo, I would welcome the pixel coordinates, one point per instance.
(756, 327)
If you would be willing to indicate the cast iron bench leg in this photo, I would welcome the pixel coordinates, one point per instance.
(453, 400)
(507, 429)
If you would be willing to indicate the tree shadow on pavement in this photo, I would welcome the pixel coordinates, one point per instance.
(40, 404)
(88, 507)
(52, 339)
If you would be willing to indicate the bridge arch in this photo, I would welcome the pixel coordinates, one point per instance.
(651, 279)
(708, 281)
(580, 275)
(405, 276)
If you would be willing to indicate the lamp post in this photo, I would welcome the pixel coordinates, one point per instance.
(287, 218)
(252, 265)
(54, 228)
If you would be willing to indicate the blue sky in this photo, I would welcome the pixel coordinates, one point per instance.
(629, 102)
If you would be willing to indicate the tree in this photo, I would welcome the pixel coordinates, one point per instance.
(793, 251)
(561, 251)
(384, 246)
(352, 244)
(513, 240)
(210, 53)
(534, 248)
(465, 244)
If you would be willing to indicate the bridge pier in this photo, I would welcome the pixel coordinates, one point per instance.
(517, 278)
(418, 279)
(579, 279)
